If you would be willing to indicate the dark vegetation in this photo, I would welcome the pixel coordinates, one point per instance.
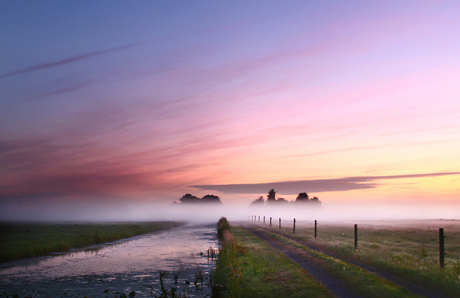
(23, 240)
(227, 275)
(273, 200)
(222, 226)
(207, 199)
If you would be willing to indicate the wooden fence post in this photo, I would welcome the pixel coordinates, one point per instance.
(270, 221)
(280, 223)
(441, 248)
(264, 219)
(356, 236)
(293, 227)
(259, 218)
(316, 225)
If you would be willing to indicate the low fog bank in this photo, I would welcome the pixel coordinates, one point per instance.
(352, 212)
(110, 211)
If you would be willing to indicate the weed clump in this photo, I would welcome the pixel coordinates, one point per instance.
(222, 225)
(229, 267)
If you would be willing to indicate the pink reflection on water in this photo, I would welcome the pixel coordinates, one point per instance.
(142, 255)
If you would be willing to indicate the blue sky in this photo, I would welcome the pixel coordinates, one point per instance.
(147, 99)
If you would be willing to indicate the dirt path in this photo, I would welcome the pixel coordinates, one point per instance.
(333, 285)
(417, 290)
(338, 287)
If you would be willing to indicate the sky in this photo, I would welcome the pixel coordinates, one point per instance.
(107, 102)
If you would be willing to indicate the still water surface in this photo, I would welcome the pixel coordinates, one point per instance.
(124, 266)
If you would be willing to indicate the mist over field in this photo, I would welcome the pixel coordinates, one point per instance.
(119, 211)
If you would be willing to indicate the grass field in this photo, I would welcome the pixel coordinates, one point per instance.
(251, 268)
(363, 282)
(407, 250)
(22, 240)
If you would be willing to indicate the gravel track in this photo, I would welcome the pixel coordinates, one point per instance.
(414, 289)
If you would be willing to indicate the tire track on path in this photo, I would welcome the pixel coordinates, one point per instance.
(335, 286)
(414, 289)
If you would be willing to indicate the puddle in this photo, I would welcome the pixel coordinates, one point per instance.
(107, 271)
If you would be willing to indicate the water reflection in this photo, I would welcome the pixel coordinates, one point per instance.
(182, 252)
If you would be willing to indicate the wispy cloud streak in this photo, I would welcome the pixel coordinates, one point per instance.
(320, 185)
(69, 60)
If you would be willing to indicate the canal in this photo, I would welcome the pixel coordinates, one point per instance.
(116, 269)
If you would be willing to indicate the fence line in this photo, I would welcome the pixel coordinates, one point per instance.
(441, 235)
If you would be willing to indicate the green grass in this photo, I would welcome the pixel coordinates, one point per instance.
(411, 253)
(249, 267)
(363, 282)
(23, 240)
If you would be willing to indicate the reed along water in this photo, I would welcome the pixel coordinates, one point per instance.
(108, 270)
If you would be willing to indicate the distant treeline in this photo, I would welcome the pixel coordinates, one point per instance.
(272, 199)
(207, 199)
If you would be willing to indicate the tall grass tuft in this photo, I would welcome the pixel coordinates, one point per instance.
(229, 268)
(165, 293)
(222, 225)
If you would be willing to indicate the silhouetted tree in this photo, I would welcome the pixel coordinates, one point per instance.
(315, 200)
(258, 202)
(271, 196)
(282, 200)
(212, 199)
(189, 199)
(302, 197)
(207, 199)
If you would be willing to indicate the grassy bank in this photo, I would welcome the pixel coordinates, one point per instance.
(23, 240)
(411, 253)
(249, 267)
